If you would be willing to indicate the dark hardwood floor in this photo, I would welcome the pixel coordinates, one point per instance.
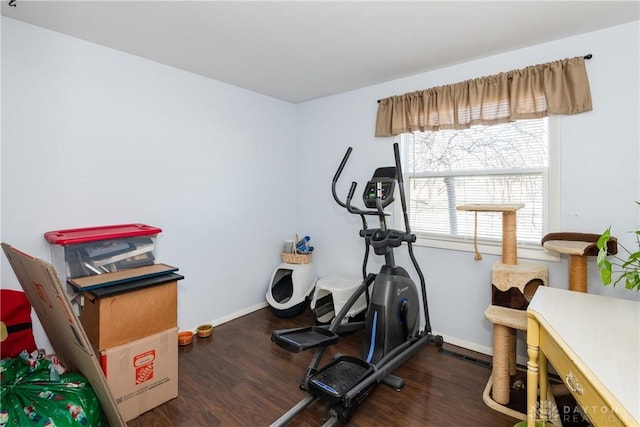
(238, 377)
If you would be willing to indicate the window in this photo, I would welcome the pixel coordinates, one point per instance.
(505, 163)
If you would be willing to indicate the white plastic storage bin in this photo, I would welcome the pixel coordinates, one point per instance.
(290, 287)
(332, 293)
(81, 252)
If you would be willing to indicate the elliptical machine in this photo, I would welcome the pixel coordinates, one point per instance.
(392, 328)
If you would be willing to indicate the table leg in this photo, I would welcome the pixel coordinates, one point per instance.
(533, 350)
(545, 402)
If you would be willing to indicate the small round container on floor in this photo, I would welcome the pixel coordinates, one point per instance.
(204, 331)
(185, 338)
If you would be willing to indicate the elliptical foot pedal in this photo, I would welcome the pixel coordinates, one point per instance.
(337, 378)
(300, 339)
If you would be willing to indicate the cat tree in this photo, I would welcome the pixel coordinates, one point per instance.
(513, 285)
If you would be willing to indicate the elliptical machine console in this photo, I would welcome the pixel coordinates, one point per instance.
(397, 318)
(381, 186)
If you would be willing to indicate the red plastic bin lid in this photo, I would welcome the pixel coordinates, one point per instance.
(91, 234)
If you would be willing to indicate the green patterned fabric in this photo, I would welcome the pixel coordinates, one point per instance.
(34, 393)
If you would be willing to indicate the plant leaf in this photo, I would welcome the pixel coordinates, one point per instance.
(605, 272)
(603, 239)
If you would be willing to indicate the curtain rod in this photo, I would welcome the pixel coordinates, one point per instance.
(587, 56)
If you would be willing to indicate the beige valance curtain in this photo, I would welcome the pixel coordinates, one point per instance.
(559, 87)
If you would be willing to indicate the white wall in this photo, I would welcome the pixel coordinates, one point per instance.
(600, 179)
(92, 136)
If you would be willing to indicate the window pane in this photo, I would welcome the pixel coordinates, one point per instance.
(521, 144)
(504, 163)
(433, 201)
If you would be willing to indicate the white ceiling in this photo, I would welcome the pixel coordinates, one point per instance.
(303, 50)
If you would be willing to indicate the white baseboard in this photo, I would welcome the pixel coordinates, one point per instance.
(520, 359)
(467, 344)
(235, 315)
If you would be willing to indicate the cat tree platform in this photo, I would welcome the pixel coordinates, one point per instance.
(579, 246)
(513, 286)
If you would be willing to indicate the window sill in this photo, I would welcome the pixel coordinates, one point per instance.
(527, 251)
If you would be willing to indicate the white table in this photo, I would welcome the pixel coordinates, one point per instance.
(593, 343)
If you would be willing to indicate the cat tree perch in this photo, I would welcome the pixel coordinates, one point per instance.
(578, 246)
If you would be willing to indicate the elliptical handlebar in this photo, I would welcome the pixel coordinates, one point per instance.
(337, 176)
(352, 189)
(348, 204)
(400, 177)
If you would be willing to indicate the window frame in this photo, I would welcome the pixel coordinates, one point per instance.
(551, 208)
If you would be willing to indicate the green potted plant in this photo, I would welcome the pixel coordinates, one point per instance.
(624, 266)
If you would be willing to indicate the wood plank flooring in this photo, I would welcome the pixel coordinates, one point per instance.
(238, 377)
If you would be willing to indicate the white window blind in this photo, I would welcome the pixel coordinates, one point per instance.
(505, 163)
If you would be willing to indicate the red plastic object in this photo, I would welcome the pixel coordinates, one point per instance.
(92, 234)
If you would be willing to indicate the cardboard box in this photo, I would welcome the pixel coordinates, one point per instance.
(120, 318)
(142, 374)
(47, 297)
